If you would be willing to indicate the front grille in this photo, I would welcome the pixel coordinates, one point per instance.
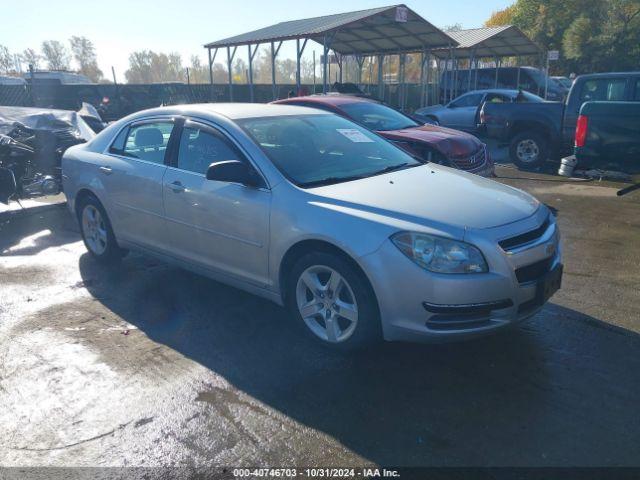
(534, 271)
(523, 239)
(477, 160)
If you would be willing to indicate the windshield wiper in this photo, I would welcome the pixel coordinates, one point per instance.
(330, 180)
(391, 168)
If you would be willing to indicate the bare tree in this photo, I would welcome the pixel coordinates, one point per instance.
(84, 54)
(6, 60)
(56, 55)
(30, 57)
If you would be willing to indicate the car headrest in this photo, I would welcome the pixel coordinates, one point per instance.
(149, 137)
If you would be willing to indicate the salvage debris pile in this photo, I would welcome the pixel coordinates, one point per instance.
(32, 141)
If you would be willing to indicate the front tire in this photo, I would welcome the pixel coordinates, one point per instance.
(333, 302)
(529, 150)
(97, 233)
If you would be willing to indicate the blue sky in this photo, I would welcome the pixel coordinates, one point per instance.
(118, 27)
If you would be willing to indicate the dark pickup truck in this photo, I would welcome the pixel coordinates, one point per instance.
(536, 132)
(608, 136)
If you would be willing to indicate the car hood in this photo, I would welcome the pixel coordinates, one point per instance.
(431, 109)
(451, 143)
(433, 196)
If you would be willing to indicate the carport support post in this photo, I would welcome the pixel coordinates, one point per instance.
(325, 51)
(210, 67)
(438, 71)
(497, 68)
(229, 72)
(449, 75)
(298, 57)
(455, 77)
(211, 60)
(251, 55)
(518, 80)
(475, 74)
(401, 93)
(360, 62)
(423, 57)
(427, 97)
(380, 78)
(274, 54)
(471, 60)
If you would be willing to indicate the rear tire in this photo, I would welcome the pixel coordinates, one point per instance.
(333, 302)
(97, 232)
(529, 150)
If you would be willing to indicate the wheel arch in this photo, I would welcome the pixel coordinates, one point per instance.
(81, 195)
(302, 247)
(533, 126)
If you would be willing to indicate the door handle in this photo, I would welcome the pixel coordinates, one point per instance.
(177, 186)
(106, 170)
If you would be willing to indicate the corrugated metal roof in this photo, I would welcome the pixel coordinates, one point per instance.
(473, 36)
(371, 31)
(503, 41)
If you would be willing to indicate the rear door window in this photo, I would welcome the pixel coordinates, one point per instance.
(148, 141)
(471, 100)
(603, 89)
(636, 97)
(497, 98)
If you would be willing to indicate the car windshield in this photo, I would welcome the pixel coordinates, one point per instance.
(377, 117)
(315, 150)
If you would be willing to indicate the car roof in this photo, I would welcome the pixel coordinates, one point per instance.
(232, 111)
(610, 74)
(330, 99)
(504, 91)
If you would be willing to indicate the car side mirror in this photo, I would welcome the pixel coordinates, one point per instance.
(233, 171)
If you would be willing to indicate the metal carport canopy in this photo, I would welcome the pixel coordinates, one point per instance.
(476, 43)
(385, 30)
(504, 41)
(395, 29)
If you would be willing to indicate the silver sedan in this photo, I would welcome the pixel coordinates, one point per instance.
(359, 240)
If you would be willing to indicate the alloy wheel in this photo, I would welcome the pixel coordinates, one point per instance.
(94, 229)
(327, 303)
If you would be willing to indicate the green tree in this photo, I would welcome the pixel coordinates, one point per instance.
(146, 66)
(592, 35)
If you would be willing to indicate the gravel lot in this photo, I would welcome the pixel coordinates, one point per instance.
(144, 364)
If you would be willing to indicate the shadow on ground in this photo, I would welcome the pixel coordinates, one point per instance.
(561, 389)
(34, 230)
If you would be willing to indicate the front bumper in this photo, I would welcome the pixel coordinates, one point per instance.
(417, 305)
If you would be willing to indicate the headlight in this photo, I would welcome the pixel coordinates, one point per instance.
(440, 255)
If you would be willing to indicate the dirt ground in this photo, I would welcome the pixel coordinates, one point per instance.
(145, 365)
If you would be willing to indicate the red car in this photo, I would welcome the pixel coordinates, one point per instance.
(429, 142)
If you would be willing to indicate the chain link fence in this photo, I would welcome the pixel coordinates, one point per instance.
(117, 101)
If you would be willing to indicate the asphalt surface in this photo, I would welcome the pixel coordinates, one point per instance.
(144, 364)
